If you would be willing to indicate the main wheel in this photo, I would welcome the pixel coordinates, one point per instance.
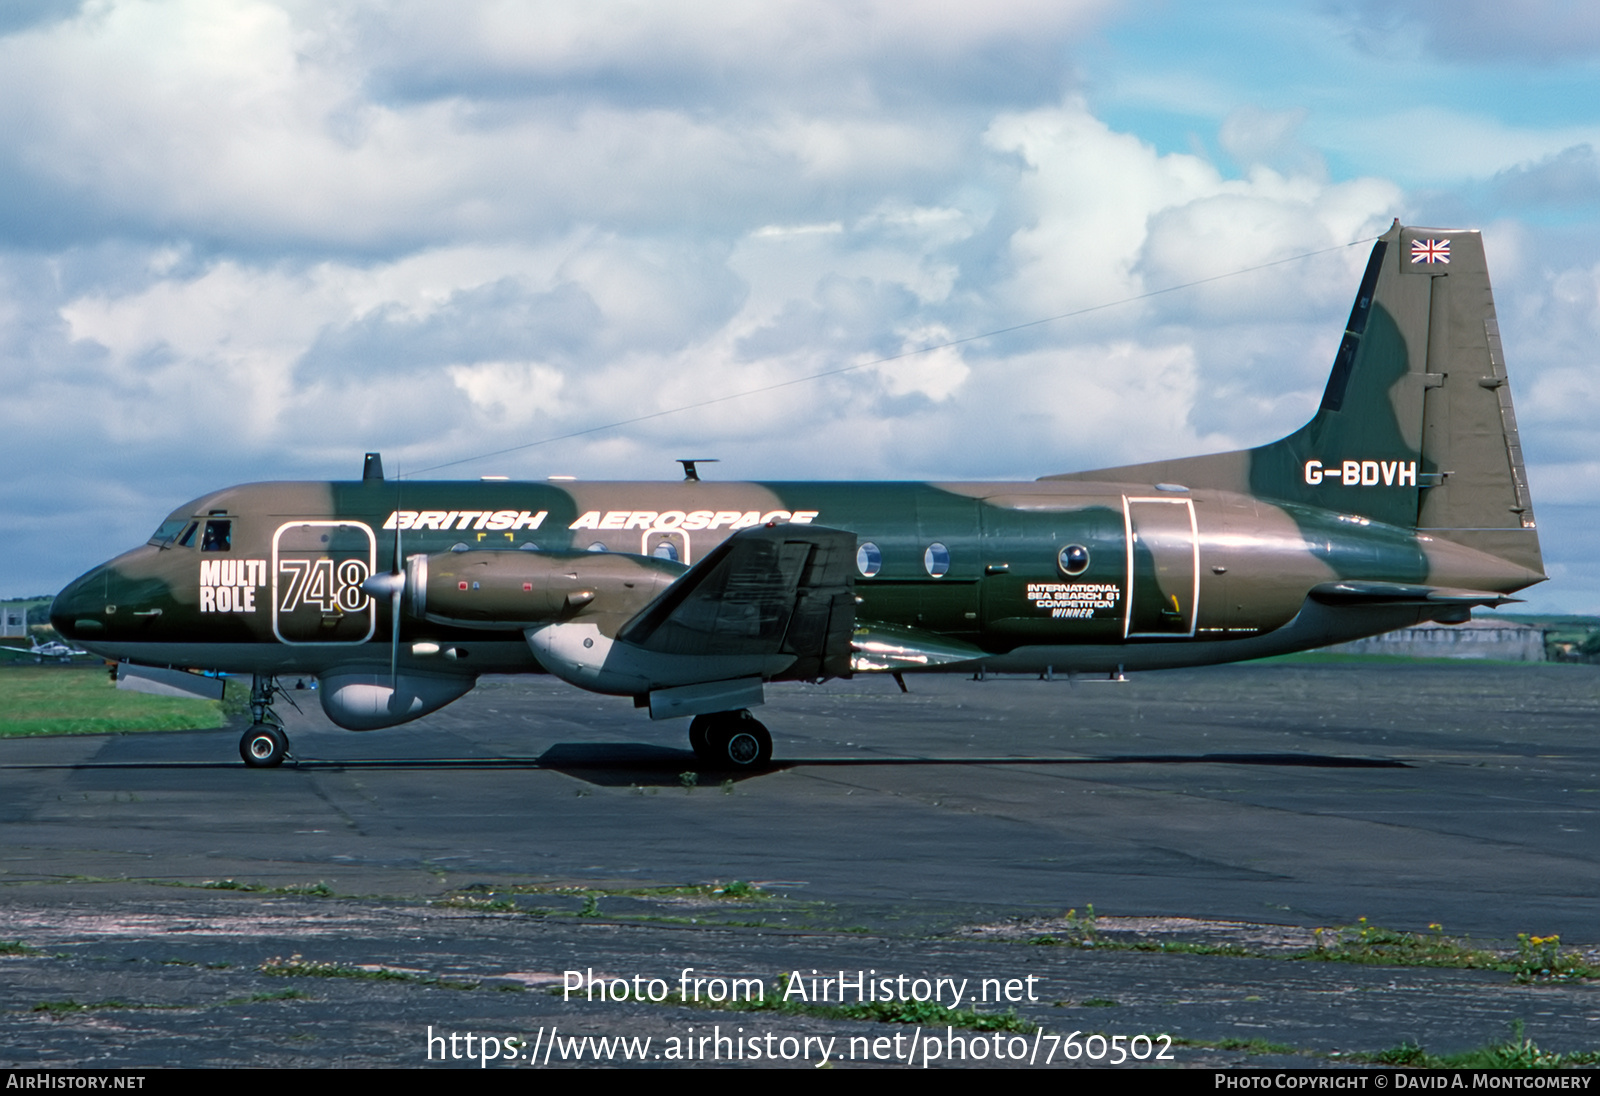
(264, 746)
(737, 740)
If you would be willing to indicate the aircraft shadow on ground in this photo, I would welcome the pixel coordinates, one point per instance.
(639, 764)
(628, 764)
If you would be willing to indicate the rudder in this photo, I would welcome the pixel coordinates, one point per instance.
(1471, 449)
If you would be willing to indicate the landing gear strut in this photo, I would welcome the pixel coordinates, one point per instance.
(730, 740)
(264, 745)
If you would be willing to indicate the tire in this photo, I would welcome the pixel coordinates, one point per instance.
(264, 746)
(700, 739)
(738, 741)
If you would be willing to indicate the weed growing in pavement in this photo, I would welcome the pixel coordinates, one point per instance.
(316, 890)
(1536, 959)
(1540, 959)
(297, 966)
(1518, 1052)
(57, 1009)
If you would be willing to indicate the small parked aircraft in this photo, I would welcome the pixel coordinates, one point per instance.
(41, 651)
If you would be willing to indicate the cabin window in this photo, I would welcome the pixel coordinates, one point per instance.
(936, 559)
(666, 550)
(598, 546)
(869, 560)
(1073, 559)
(218, 536)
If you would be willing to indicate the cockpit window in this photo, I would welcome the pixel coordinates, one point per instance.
(169, 529)
(188, 534)
(218, 536)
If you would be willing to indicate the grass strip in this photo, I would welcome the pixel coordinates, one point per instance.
(39, 700)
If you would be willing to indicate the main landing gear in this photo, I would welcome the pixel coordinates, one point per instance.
(264, 745)
(730, 740)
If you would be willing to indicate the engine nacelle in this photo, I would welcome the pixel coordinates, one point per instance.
(519, 589)
(366, 701)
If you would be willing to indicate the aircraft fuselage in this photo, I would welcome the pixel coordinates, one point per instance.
(1032, 575)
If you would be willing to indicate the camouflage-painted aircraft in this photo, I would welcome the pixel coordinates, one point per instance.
(1402, 500)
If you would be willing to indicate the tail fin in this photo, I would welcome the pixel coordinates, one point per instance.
(1416, 427)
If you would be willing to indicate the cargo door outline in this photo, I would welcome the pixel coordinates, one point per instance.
(349, 598)
(1171, 541)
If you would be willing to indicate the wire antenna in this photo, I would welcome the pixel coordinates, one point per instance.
(892, 357)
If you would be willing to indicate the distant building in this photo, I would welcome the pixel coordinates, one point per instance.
(1502, 640)
(13, 622)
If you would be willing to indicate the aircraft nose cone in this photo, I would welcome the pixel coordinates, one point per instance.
(77, 610)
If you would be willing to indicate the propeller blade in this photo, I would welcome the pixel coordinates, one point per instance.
(397, 584)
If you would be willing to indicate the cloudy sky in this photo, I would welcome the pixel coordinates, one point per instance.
(245, 240)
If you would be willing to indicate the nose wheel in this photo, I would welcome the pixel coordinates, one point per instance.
(264, 746)
(730, 740)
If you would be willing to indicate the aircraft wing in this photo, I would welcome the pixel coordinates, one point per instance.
(776, 589)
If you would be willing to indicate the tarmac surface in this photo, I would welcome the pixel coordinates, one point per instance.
(171, 907)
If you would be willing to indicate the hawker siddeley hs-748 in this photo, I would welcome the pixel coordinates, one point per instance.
(1402, 500)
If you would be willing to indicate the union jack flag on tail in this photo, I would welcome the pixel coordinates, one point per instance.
(1430, 251)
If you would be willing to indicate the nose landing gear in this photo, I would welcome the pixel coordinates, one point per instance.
(730, 740)
(264, 745)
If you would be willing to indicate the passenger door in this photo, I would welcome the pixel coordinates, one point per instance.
(1163, 567)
